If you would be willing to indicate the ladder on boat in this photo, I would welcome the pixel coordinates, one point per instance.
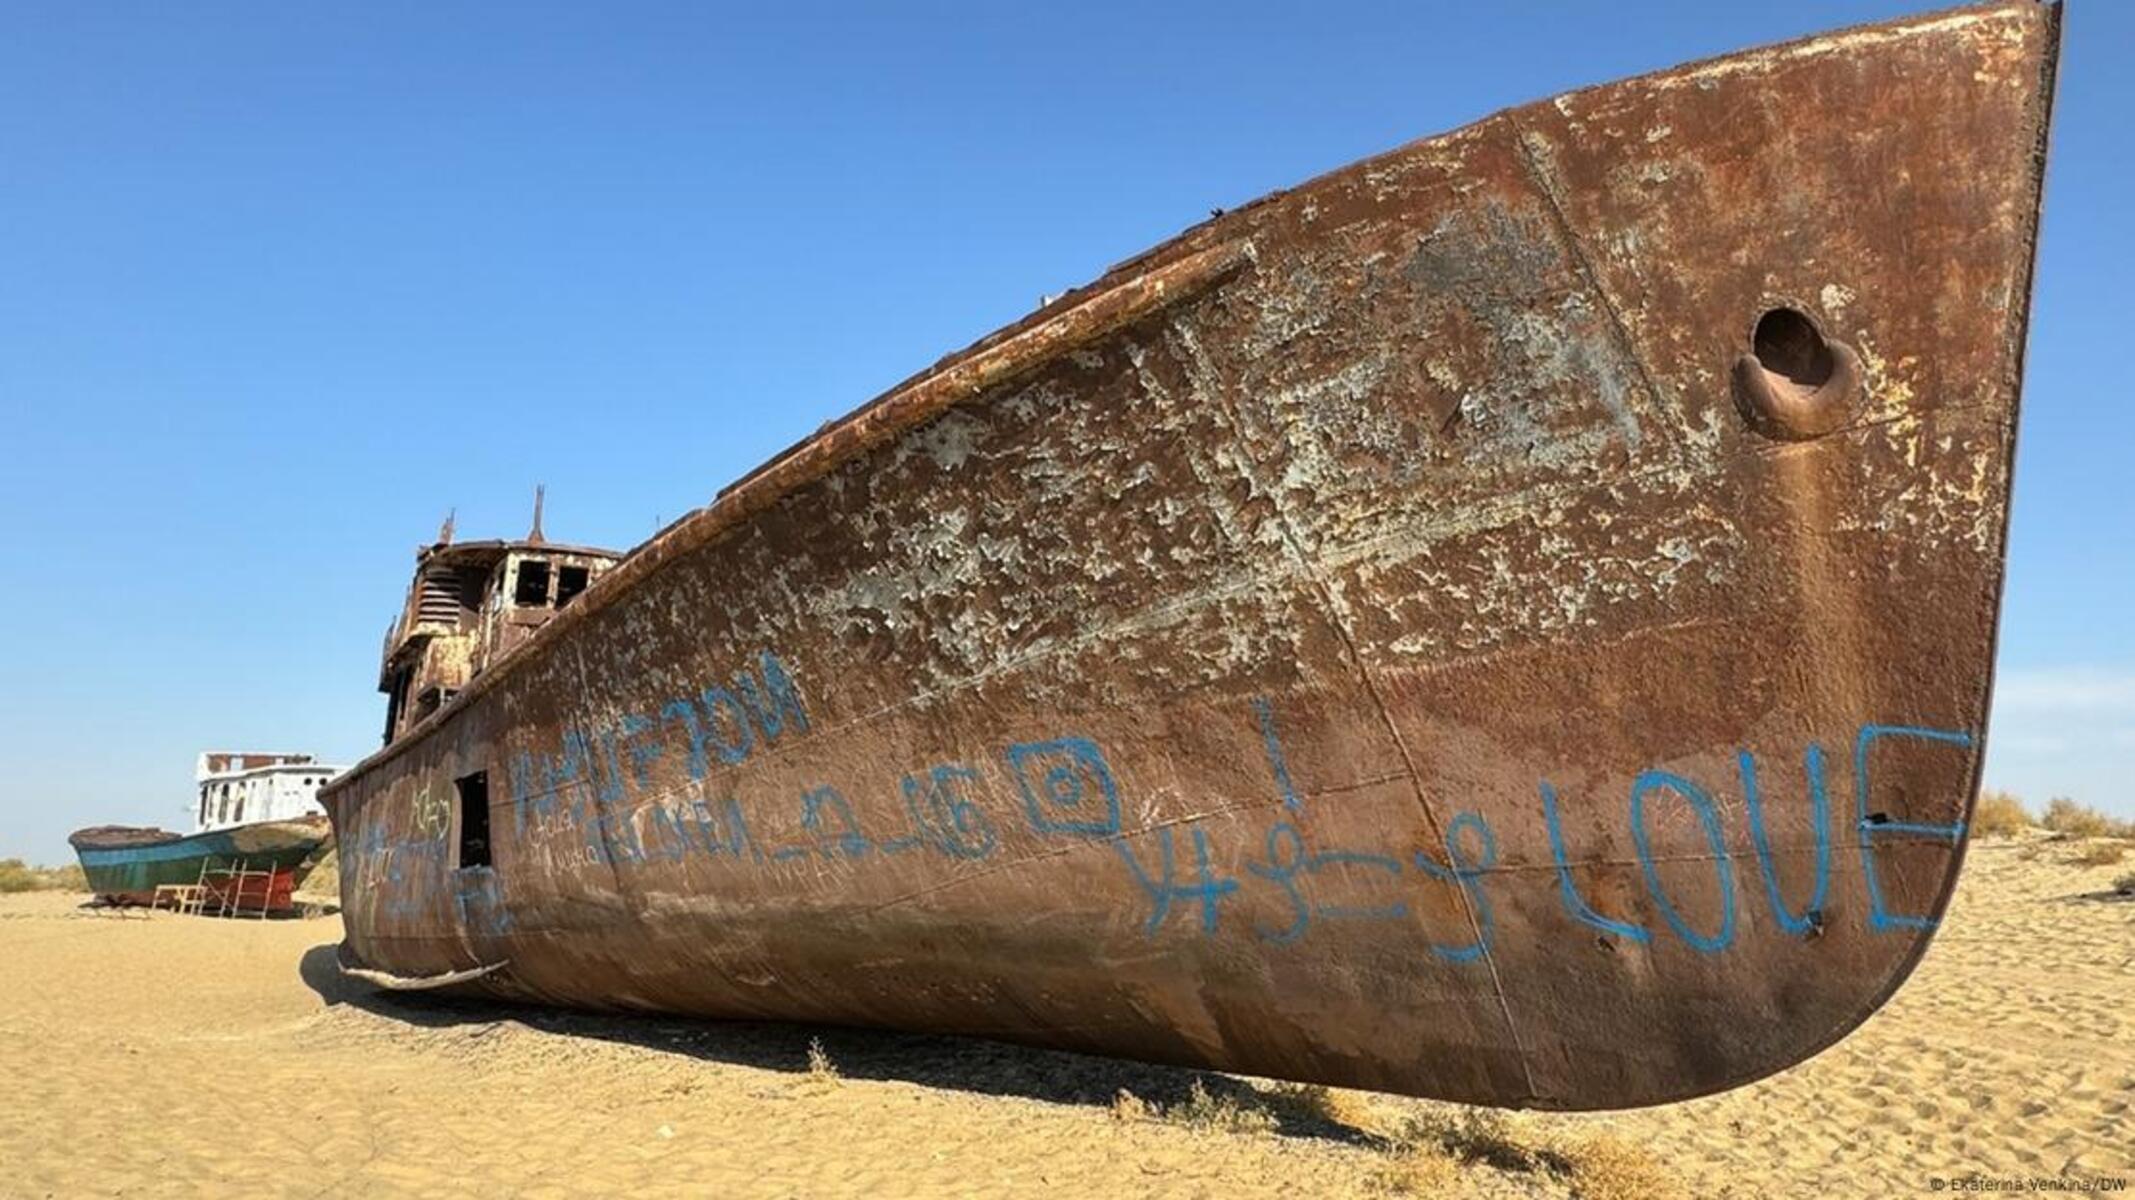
(226, 887)
(179, 897)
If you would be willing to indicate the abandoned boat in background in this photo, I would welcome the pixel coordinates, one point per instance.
(1511, 621)
(257, 831)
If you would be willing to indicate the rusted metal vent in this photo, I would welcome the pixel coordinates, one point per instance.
(1788, 344)
(1795, 383)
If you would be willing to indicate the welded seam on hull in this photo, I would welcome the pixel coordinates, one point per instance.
(1204, 376)
(607, 843)
(1738, 854)
(1124, 835)
(1546, 186)
(1738, 857)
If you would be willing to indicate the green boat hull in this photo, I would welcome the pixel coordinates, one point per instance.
(130, 873)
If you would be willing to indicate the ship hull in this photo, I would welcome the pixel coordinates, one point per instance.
(126, 866)
(1434, 630)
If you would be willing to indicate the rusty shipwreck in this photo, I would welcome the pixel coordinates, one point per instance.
(1510, 620)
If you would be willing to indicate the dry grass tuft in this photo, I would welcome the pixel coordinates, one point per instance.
(2072, 820)
(1488, 1135)
(2125, 885)
(1417, 1171)
(1317, 1104)
(1301, 1107)
(1207, 1112)
(1477, 1135)
(1128, 1108)
(2100, 854)
(18, 876)
(821, 1071)
(2000, 814)
(1604, 1167)
(1427, 1155)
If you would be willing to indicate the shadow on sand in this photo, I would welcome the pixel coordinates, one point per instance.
(961, 1064)
(2108, 896)
(99, 906)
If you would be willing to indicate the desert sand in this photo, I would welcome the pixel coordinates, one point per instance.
(159, 1055)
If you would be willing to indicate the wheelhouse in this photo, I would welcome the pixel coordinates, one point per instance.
(470, 604)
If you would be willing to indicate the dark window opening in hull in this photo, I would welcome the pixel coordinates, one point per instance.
(569, 582)
(474, 819)
(532, 588)
(397, 703)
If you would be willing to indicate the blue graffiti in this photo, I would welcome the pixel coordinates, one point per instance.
(642, 753)
(1208, 889)
(1810, 918)
(1879, 915)
(726, 723)
(537, 780)
(733, 746)
(402, 864)
(1466, 871)
(686, 713)
(1288, 859)
(843, 837)
(671, 835)
(1709, 819)
(1567, 889)
(478, 898)
(1067, 771)
(1271, 745)
(736, 841)
(604, 786)
(776, 705)
(944, 817)
(692, 829)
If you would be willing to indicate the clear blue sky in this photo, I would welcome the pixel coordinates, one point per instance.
(279, 284)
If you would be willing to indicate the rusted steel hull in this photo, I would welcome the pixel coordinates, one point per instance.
(1390, 636)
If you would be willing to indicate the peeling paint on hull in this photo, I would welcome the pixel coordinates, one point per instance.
(1360, 641)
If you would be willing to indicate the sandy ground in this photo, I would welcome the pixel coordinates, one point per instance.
(163, 1055)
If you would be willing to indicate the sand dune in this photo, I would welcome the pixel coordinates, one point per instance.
(162, 1055)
